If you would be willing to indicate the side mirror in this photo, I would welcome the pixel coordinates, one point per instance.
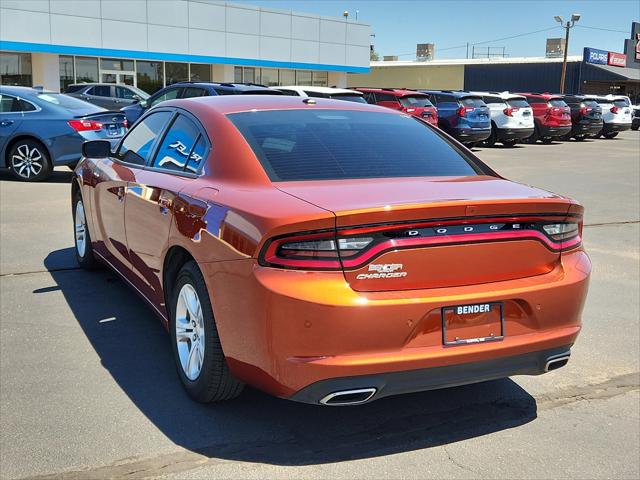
(136, 97)
(96, 149)
(143, 104)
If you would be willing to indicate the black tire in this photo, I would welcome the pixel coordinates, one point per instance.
(470, 145)
(84, 256)
(580, 138)
(534, 136)
(610, 135)
(214, 382)
(29, 161)
(72, 166)
(493, 138)
(509, 143)
(635, 127)
(547, 140)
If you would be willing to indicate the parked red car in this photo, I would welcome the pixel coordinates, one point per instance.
(408, 101)
(552, 116)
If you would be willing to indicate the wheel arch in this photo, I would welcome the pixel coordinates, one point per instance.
(17, 138)
(174, 259)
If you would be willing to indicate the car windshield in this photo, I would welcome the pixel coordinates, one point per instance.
(298, 145)
(417, 101)
(518, 103)
(141, 93)
(349, 97)
(65, 101)
(473, 102)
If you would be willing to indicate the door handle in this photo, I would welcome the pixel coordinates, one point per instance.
(164, 204)
(120, 194)
(6, 123)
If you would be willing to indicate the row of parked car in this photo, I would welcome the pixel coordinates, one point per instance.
(40, 130)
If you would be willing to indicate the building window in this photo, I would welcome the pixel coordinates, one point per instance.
(15, 69)
(270, 77)
(67, 75)
(251, 75)
(117, 64)
(287, 77)
(200, 72)
(303, 77)
(237, 74)
(86, 69)
(176, 72)
(149, 76)
(320, 79)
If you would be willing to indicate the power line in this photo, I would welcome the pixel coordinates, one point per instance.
(485, 42)
(603, 29)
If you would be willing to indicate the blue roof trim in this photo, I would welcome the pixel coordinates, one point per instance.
(176, 57)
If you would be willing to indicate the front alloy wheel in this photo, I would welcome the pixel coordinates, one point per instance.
(29, 162)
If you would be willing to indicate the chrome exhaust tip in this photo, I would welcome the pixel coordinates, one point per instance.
(557, 361)
(349, 397)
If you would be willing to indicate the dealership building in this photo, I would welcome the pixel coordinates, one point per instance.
(153, 43)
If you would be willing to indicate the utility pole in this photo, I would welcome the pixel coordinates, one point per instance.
(574, 18)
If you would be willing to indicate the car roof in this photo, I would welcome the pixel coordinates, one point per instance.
(327, 90)
(92, 84)
(502, 95)
(224, 86)
(226, 104)
(455, 93)
(398, 92)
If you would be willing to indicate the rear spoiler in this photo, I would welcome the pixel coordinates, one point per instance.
(98, 114)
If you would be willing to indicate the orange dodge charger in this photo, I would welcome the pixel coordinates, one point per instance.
(330, 252)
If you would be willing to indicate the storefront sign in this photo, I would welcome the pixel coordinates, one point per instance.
(617, 59)
(593, 55)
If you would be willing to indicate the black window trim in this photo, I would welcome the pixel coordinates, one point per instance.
(36, 107)
(153, 151)
(153, 98)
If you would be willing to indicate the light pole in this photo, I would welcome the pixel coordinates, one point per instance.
(574, 18)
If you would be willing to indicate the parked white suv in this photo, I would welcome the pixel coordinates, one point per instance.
(323, 92)
(616, 114)
(511, 117)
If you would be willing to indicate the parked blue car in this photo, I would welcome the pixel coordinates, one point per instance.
(40, 130)
(194, 89)
(462, 115)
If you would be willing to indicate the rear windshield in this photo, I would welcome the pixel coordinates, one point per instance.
(74, 88)
(340, 144)
(590, 103)
(349, 97)
(621, 103)
(472, 102)
(557, 102)
(65, 101)
(417, 101)
(518, 103)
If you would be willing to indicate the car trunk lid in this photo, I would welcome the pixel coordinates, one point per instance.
(438, 232)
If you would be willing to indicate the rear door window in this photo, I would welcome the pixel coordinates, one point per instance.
(177, 145)
(299, 145)
(137, 145)
(349, 97)
(122, 92)
(10, 104)
(100, 91)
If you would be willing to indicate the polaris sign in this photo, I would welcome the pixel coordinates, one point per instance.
(593, 55)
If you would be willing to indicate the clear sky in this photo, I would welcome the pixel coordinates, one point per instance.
(399, 25)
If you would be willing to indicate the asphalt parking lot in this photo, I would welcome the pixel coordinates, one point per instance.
(88, 387)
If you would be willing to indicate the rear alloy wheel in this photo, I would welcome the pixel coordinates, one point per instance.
(198, 354)
(29, 161)
(84, 250)
(610, 135)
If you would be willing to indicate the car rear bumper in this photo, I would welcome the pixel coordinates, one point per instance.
(514, 133)
(283, 330)
(470, 135)
(586, 128)
(559, 131)
(616, 127)
(374, 387)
